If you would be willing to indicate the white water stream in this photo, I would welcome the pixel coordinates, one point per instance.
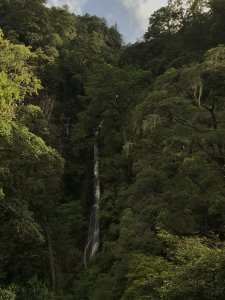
(93, 232)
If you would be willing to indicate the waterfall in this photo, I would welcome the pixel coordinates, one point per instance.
(93, 231)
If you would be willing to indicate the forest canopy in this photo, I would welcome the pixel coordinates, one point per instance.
(112, 155)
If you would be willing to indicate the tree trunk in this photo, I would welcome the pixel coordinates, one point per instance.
(51, 261)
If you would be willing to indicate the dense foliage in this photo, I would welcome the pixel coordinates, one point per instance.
(160, 103)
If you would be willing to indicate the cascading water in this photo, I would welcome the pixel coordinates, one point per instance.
(93, 232)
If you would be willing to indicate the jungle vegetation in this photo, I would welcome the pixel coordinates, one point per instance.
(161, 103)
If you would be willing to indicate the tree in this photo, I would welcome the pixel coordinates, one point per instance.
(194, 271)
(17, 79)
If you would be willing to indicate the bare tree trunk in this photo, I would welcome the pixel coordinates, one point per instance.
(125, 141)
(51, 261)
